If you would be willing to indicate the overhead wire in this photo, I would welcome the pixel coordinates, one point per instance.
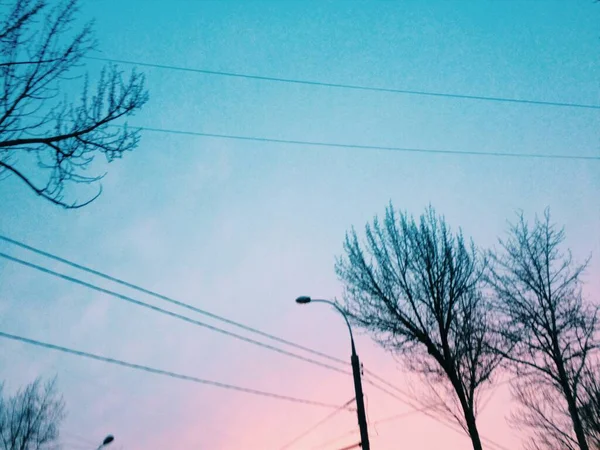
(170, 313)
(178, 316)
(178, 303)
(415, 409)
(167, 299)
(406, 398)
(424, 409)
(370, 147)
(416, 150)
(387, 383)
(317, 425)
(164, 372)
(401, 416)
(294, 142)
(349, 447)
(346, 86)
(335, 439)
(187, 319)
(181, 317)
(391, 394)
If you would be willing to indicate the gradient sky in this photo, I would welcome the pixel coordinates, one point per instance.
(242, 228)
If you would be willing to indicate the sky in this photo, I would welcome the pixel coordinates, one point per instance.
(242, 228)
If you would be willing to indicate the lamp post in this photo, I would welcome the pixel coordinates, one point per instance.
(107, 440)
(360, 404)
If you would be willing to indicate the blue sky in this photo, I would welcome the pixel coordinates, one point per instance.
(242, 228)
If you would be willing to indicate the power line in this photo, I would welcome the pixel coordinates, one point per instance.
(349, 447)
(335, 439)
(179, 303)
(347, 86)
(370, 147)
(318, 424)
(404, 415)
(377, 422)
(407, 397)
(163, 372)
(171, 314)
(391, 394)
(451, 425)
(362, 147)
(195, 322)
(187, 319)
(168, 299)
(198, 323)
(399, 416)
(424, 408)
(368, 372)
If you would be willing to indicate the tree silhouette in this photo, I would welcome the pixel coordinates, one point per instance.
(30, 419)
(417, 287)
(547, 329)
(47, 141)
(589, 410)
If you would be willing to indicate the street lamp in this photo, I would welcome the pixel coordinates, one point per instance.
(360, 404)
(107, 440)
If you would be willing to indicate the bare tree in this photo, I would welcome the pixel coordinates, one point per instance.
(547, 328)
(542, 412)
(30, 419)
(47, 141)
(589, 409)
(417, 288)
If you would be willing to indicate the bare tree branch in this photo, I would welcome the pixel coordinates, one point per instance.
(417, 287)
(589, 409)
(546, 327)
(30, 419)
(49, 142)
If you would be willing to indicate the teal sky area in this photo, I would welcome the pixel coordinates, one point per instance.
(242, 228)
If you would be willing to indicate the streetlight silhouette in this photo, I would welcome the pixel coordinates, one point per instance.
(107, 440)
(360, 404)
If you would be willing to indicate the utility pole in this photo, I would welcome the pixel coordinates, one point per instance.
(360, 402)
(358, 392)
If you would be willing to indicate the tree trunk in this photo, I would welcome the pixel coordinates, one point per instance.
(472, 428)
(571, 400)
(577, 425)
(447, 363)
(467, 412)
